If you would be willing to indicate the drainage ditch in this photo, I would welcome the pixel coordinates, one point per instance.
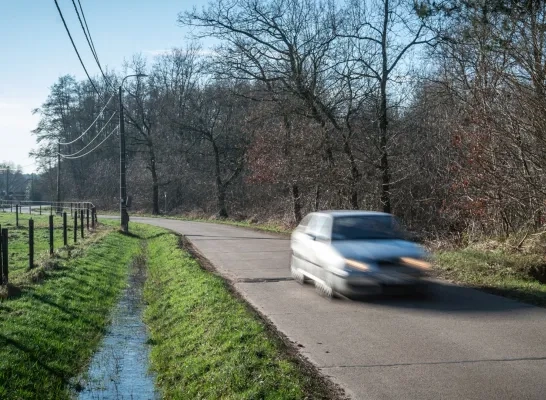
(120, 368)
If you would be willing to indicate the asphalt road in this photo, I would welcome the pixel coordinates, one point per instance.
(456, 344)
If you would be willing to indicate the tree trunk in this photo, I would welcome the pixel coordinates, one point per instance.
(383, 119)
(355, 177)
(155, 185)
(222, 210)
(296, 201)
(220, 187)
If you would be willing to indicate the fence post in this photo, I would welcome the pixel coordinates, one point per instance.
(51, 234)
(65, 228)
(81, 222)
(76, 227)
(5, 266)
(30, 243)
(1, 255)
(17, 215)
(93, 216)
(87, 211)
(40, 209)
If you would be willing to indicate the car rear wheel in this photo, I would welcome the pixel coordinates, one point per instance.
(296, 274)
(324, 290)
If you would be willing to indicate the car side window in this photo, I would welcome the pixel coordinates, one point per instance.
(324, 230)
(320, 226)
(305, 221)
(311, 225)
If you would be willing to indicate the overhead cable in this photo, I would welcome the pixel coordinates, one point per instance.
(93, 149)
(76, 49)
(87, 34)
(91, 141)
(92, 123)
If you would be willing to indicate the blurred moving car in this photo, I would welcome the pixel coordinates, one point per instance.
(355, 253)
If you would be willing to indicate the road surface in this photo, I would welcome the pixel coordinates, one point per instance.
(456, 344)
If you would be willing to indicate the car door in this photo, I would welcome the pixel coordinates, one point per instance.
(318, 231)
(299, 243)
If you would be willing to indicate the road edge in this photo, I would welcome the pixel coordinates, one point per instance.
(334, 390)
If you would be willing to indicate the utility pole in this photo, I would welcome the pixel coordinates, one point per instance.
(7, 183)
(124, 216)
(58, 174)
(122, 180)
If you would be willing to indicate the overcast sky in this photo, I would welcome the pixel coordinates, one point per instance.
(36, 51)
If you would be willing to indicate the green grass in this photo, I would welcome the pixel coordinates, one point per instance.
(18, 239)
(207, 344)
(500, 270)
(49, 331)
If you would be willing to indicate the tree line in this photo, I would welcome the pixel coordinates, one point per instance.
(432, 110)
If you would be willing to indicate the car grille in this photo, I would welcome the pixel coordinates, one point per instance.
(389, 263)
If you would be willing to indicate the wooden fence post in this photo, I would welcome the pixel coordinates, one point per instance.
(5, 265)
(87, 211)
(30, 243)
(75, 227)
(17, 215)
(65, 229)
(1, 256)
(81, 222)
(51, 234)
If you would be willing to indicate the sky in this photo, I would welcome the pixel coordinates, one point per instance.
(35, 51)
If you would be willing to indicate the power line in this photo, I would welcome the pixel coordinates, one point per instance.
(91, 141)
(76, 49)
(87, 34)
(93, 149)
(92, 123)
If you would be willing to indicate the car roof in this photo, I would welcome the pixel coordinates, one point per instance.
(353, 213)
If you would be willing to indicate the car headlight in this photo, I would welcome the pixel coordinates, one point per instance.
(357, 264)
(414, 262)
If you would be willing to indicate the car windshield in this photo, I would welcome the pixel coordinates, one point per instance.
(366, 227)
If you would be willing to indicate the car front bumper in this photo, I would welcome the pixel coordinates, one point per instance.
(375, 283)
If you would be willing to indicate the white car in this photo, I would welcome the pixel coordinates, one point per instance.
(356, 253)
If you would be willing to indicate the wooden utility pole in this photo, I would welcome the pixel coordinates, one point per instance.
(58, 174)
(122, 181)
(7, 183)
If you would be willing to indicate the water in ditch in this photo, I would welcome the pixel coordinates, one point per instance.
(119, 369)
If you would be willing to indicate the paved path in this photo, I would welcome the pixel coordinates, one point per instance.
(457, 344)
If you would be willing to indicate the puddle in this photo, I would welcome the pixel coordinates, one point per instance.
(119, 369)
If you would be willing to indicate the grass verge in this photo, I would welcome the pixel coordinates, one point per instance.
(206, 343)
(18, 239)
(499, 266)
(50, 330)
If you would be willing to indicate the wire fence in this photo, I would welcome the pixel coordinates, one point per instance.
(28, 231)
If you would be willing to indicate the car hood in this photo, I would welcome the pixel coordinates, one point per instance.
(377, 249)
